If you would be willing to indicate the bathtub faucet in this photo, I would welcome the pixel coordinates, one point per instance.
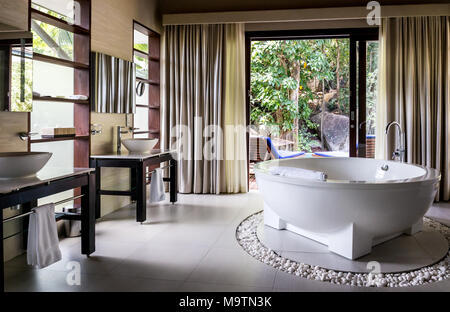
(400, 149)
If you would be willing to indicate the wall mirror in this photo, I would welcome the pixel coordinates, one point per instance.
(16, 71)
(113, 85)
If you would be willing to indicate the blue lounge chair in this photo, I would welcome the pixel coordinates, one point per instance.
(279, 154)
(332, 154)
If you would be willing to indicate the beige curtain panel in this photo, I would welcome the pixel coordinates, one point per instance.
(415, 91)
(195, 106)
(114, 85)
(235, 133)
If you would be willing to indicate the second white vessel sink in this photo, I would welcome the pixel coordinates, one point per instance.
(140, 145)
(21, 165)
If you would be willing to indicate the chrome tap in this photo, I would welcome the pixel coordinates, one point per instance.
(120, 131)
(96, 129)
(123, 130)
(24, 136)
(400, 149)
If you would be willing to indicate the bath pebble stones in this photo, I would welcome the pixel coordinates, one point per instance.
(246, 235)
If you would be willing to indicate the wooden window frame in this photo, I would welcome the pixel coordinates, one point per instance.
(153, 81)
(82, 84)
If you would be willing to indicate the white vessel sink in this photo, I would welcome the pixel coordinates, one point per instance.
(140, 145)
(21, 165)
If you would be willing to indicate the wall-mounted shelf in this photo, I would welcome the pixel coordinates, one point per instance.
(61, 100)
(149, 107)
(140, 53)
(151, 131)
(58, 61)
(54, 21)
(47, 140)
(81, 82)
(152, 57)
(145, 55)
(152, 82)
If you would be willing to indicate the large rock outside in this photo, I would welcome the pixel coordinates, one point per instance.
(335, 131)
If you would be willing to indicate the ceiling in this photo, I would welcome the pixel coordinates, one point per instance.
(201, 6)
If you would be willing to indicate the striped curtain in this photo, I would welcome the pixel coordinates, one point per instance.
(193, 101)
(114, 85)
(203, 111)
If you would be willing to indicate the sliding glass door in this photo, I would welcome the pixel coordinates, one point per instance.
(364, 86)
(312, 92)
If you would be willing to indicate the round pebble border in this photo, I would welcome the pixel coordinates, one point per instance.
(246, 235)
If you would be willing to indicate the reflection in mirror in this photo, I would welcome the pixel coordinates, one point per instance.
(114, 85)
(16, 72)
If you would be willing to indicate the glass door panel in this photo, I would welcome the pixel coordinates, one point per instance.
(367, 88)
(372, 57)
(300, 95)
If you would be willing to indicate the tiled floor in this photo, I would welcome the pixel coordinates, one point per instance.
(190, 246)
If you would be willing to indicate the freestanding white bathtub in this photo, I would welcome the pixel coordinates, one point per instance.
(362, 203)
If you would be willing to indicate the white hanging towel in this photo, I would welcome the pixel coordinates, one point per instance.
(157, 192)
(291, 172)
(43, 244)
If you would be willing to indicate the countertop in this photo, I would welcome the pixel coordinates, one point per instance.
(46, 175)
(134, 156)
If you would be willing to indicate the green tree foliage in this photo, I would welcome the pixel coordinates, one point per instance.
(141, 67)
(289, 76)
(62, 38)
(17, 105)
(372, 84)
(274, 67)
(141, 47)
(338, 55)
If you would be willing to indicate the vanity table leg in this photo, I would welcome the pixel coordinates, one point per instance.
(173, 181)
(141, 192)
(2, 265)
(88, 212)
(133, 184)
(94, 164)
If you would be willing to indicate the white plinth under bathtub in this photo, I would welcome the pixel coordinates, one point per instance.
(401, 254)
(350, 242)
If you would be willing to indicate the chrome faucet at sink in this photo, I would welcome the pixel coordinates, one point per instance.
(122, 130)
(400, 148)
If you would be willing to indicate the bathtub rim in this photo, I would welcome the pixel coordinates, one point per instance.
(431, 176)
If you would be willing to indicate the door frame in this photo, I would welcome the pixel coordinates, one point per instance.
(357, 95)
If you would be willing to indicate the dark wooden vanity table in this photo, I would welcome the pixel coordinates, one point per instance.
(26, 191)
(138, 164)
